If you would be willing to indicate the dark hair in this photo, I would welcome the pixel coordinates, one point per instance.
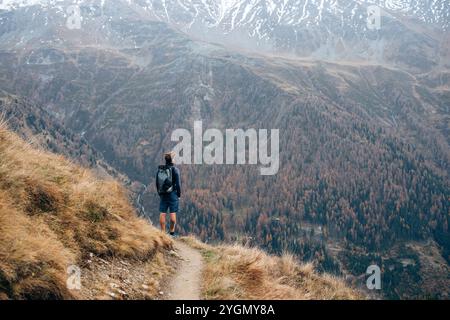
(168, 158)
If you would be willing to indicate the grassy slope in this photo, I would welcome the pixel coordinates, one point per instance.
(54, 214)
(237, 272)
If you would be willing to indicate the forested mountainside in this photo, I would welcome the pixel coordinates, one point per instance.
(364, 143)
(34, 124)
(59, 220)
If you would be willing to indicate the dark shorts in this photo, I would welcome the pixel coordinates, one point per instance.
(169, 202)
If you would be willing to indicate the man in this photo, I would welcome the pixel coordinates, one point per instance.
(168, 186)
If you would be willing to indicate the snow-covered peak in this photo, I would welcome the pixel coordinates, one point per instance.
(419, 8)
(284, 24)
(227, 4)
(12, 4)
(231, 14)
(323, 29)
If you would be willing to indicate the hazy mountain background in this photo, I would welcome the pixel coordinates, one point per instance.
(363, 117)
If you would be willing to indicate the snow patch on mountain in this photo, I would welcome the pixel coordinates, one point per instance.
(261, 18)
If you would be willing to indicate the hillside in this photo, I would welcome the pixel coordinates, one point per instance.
(364, 142)
(239, 272)
(55, 214)
(36, 125)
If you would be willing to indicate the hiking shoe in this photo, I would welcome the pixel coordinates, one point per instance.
(173, 235)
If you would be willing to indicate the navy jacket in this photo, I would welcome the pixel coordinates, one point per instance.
(176, 179)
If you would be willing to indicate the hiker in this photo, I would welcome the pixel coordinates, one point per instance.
(168, 186)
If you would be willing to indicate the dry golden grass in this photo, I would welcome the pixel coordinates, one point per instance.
(236, 272)
(54, 214)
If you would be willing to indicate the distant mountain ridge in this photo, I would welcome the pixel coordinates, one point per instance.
(410, 33)
(234, 13)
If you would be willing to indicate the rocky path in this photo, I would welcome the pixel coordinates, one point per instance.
(186, 283)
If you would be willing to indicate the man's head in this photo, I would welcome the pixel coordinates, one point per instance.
(169, 157)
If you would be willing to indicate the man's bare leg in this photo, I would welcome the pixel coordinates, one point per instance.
(162, 221)
(173, 222)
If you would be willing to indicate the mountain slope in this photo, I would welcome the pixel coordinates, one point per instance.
(35, 125)
(53, 215)
(237, 272)
(412, 32)
(56, 216)
(324, 29)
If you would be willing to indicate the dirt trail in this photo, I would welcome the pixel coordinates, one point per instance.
(186, 284)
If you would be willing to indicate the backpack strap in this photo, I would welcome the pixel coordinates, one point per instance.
(171, 175)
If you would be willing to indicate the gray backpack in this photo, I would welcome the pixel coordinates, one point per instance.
(164, 180)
